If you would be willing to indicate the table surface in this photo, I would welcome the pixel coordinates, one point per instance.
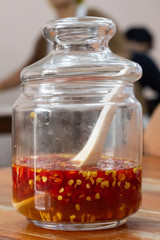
(144, 225)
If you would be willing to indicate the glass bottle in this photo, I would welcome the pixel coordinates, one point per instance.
(77, 130)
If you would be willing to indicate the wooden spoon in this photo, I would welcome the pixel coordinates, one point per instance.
(91, 152)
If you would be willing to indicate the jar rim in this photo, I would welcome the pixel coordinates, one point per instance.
(53, 27)
(80, 21)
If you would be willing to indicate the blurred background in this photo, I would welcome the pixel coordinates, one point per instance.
(21, 23)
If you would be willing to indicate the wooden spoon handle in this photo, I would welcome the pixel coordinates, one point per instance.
(91, 152)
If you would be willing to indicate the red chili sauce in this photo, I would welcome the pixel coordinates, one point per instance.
(60, 192)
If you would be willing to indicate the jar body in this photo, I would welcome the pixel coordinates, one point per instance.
(52, 124)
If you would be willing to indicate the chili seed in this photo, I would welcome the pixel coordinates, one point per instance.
(104, 184)
(70, 182)
(61, 190)
(59, 215)
(38, 178)
(92, 181)
(44, 179)
(135, 170)
(114, 183)
(107, 172)
(32, 114)
(55, 219)
(79, 182)
(59, 197)
(97, 196)
(81, 196)
(88, 186)
(88, 217)
(94, 174)
(123, 206)
(84, 174)
(77, 206)
(89, 174)
(113, 174)
(46, 216)
(72, 217)
(31, 182)
(42, 216)
(98, 180)
(88, 199)
(127, 185)
(119, 184)
(138, 179)
(83, 218)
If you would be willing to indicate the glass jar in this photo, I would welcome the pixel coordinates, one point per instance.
(77, 130)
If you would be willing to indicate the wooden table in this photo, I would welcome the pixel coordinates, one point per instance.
(144, 225)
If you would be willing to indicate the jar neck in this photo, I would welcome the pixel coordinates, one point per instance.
(80, 34)
(67, 92)
(91, 42)
(99, 46)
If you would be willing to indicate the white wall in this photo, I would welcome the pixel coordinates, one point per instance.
(21, 22)
(129, 13)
